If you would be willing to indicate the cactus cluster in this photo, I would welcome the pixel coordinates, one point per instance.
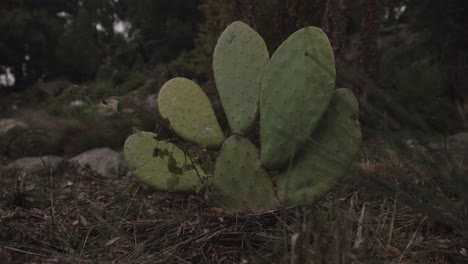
(309, 133)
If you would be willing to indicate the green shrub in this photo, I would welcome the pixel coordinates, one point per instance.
(133, 81)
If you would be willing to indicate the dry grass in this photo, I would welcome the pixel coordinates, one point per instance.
(84, 218)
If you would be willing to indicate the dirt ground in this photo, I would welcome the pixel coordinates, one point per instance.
(84, 218)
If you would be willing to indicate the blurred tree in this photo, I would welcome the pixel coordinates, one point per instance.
(28, 36)
(38, 38)
(368, 35)
(78, 55)
(287, 19)
(335, 23)
(244, 10)
(196, 63)
(76, 40)
(162, 29)
(419, 44)
(445, 24)
(219, 13)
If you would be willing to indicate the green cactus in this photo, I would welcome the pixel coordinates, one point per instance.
(188, 109)
(302, 120)
(296, 88)
(161, 165)
(239, 59)
(240, 182)
(328, 154)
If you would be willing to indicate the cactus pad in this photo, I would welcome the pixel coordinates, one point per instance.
(188, 109)
(328, 154)
(239, 59)
(154, 169)
(240, 182)
(309, 133)
(295, 92)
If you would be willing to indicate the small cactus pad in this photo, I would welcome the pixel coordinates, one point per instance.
(240, 182)
(150, 161)
(188, 109)
(295, 92)
(328, 154)
(239, 59)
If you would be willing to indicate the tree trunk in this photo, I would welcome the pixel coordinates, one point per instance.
(244, 10)
(287, 20)
(367, 49)
(335, 24)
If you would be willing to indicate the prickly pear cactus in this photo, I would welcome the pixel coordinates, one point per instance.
(239, 60)
(161, 165)
(240, 182)
(328, 153)
(309, 133)
(188, 109)
(296, 88)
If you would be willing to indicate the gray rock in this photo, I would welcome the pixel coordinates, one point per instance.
(9, 124)
(53, 88)
(160, 76)
(151, 102)
(76, 104)
(104, 161)
(460, 138)
(151, 86)
(458, 141)
(37, 165)
(108, 107)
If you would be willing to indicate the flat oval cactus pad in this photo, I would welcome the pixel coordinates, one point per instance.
(188, 109)
(161, 165)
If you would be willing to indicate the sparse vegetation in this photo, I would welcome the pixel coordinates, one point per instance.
(87, 75)
(64, 218)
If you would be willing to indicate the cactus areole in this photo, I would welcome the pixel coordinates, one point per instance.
(309, 134)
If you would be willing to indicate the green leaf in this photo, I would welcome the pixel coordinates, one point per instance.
(172, 182)
(136, 130)
(187, 166)
(165, 123)
(136, 121)
(208, 166)
(172, 166)
(120, 106)
(164, 153)
(87, 100)
(156, 152)
(154, 171)
(159, 137)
